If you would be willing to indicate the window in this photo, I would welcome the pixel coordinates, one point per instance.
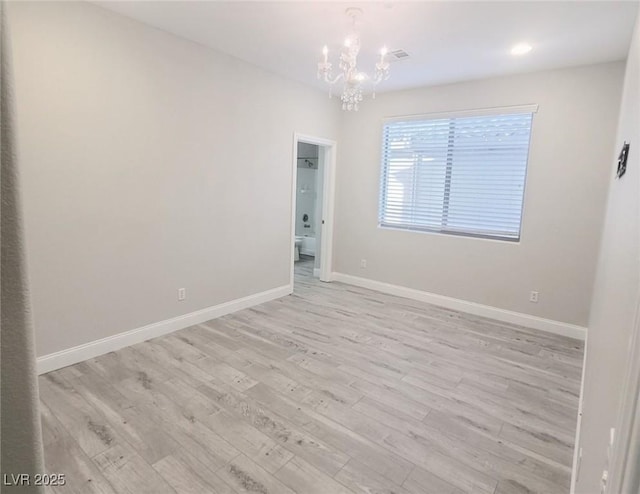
(462, 175)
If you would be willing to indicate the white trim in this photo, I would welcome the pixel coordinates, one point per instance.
(93, 349)
(328, 200)
(527, 320)
(294, 196)
(577, 457)
(461, 235)
(503, 110)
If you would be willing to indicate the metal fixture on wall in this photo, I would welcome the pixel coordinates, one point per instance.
(351, 78)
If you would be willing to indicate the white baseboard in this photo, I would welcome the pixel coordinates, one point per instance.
(316, 272)
(527, 320)
(93, 349)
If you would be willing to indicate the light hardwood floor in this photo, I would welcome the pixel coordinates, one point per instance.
(334, 389)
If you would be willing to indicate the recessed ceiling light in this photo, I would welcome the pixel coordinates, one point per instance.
(521, 49)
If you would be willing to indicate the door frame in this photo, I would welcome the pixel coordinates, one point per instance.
(328, 198)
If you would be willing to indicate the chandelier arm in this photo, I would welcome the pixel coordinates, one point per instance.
(329, 80)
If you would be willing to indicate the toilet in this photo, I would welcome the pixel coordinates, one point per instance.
(298, 243)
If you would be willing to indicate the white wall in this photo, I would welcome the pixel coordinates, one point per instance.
(138, 179)
(138, 176)
(569, 168)
(616, 290)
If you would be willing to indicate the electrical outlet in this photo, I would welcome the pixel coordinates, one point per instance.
(363, 263)
(182, 294)
(533, 297)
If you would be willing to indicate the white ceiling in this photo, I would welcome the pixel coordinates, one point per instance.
(446, 41)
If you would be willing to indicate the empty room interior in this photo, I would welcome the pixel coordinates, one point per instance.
(320, 247)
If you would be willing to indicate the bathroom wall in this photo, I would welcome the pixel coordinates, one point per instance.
(307, 188)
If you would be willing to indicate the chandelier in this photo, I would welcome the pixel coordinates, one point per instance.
(352, 79)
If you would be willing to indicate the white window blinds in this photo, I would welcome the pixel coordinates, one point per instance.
(463, 175)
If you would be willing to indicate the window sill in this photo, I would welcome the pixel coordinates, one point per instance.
(448, 233)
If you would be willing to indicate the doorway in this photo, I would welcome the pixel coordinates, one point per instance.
(312, 208)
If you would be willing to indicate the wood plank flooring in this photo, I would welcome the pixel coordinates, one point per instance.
(334, 389)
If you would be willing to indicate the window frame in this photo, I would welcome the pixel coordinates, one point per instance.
(485, 112)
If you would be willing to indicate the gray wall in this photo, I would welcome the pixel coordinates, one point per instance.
(616, 291)
(569, 168)
(147, 159)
